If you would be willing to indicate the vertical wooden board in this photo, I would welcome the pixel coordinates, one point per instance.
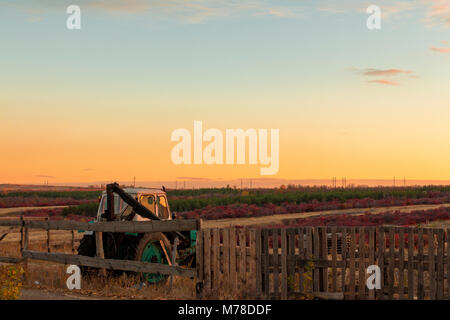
(258, 249)
(199, 257)
(72, 241)
(252, 260)
(275, 262)
(316, 274)
(344, 258)
(207, 259)
(99, 245)
(324, 257)
(401, 261)
(48, 237)
(242, 258)
(233, 245)
(352, 263)
(26, 240)
(440, 265)
(391, 272)
(309, 257)
(226, 258)
(334, 259)
(216, 260)
(291, 260)
(361, 262)
(410, 264)
(448, 264)
(381, 250)
(303, 256)
(371, 255)
(21, 234)
(431, 266)
(266, 262)
(420, 269)
(283, 257)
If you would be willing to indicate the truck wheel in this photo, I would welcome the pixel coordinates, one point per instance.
(87, 248)
(149, 249)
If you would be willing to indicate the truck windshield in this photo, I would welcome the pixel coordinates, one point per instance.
(149, 203)
(163, 211)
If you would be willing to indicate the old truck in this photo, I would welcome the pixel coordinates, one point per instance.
(139, 204)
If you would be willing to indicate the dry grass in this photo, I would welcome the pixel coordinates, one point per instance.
(53, 277)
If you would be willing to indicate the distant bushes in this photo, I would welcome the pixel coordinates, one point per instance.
(85, 209)
(278, 197)
(76, 195)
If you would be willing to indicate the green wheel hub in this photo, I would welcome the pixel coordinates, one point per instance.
(154, 254)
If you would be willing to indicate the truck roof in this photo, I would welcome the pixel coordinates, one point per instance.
(136, 191)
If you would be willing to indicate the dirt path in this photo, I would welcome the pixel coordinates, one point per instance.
(6, 211)
(42, 294)
(279, 218)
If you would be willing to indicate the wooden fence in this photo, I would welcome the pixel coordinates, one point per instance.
(325, 262)
(99, 261)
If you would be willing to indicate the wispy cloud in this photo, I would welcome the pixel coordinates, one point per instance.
(438, 13)
(385, 82)
(193, 179)
(195, 11)
(381, 74)
(440, 50)
(386, 72)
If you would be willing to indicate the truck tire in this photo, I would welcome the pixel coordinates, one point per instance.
(149, 249)
(87, 248)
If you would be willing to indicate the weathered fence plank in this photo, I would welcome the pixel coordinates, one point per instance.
(233, 275)
(401, 273)
(352, 262)
(420, 280)
(110, 226)
(431, 266)
(126, 265)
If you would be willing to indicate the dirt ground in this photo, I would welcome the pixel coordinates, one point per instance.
(9, 211)
(43, 294)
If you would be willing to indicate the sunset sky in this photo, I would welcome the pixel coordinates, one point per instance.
(101, 103)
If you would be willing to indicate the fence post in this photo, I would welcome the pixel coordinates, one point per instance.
(174, 256)
(48, 235)
(73, 241)
(99, 247)
(21, 233)
(25, 247)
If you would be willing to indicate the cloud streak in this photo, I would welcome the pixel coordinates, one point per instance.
(440, 50)
(387, 72)
(195, 11)
(381, 75)
(438, 13)
(385, 82)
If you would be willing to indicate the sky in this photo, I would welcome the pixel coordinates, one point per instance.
(100, 103)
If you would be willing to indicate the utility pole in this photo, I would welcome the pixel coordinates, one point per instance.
(394, 181)
(134, 182)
